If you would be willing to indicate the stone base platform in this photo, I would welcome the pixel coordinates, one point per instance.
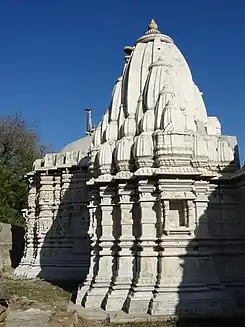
(123, 317)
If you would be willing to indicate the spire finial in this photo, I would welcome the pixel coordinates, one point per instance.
(152, 28)
(153, 25)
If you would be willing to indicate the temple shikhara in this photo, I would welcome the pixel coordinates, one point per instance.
(146, 211)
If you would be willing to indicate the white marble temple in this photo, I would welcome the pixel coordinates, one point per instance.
(161, 194)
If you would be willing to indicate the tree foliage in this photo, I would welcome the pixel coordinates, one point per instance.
(19, 147)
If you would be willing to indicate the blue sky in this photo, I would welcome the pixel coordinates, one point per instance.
(60, 56)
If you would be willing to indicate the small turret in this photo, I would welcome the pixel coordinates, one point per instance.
(90, 128)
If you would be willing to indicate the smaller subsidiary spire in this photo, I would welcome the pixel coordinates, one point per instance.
(152, 27)
(90, 127)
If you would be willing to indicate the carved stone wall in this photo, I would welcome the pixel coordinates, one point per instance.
(57, 222)
(159, 264)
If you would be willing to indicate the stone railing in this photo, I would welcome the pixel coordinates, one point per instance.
(61, 160)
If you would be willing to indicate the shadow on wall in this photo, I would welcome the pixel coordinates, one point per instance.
(213, 267)
(208, 276)
(205, 277)
(65, 249)
(18, 245)
(112, 254)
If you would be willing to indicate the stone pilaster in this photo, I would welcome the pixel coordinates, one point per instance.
(79, 226)
(167, 218)
(30, 220)
(56, 207)
(60, 235)
(201, 207)
(103, 271)
(44, 221)
(94, 215)
(191, 214)
(57, 190)
(124, 258)
(146, 259)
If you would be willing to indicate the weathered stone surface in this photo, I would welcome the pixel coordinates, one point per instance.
(64, 319)
(5, 246)
(28, 318)
(88, 314)
(11, 246)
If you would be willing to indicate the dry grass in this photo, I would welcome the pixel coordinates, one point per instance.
(35, 292)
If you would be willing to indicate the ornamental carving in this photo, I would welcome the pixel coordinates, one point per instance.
(46, 196)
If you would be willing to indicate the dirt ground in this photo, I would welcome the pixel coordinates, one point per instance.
(24, 295)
